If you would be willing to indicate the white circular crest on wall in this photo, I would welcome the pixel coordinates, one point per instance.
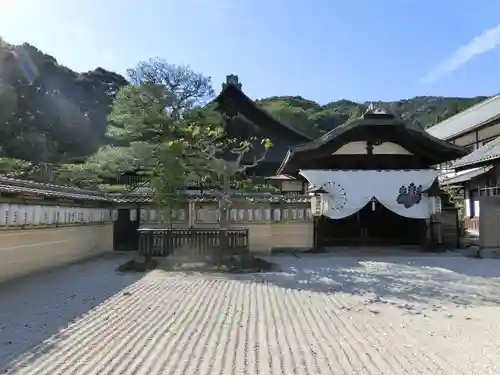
(337, 195)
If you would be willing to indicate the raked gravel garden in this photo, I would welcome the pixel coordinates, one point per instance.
(318, 314)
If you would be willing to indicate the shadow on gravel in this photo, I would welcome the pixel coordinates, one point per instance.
(421, 279)
(230, 265)
(34, 308)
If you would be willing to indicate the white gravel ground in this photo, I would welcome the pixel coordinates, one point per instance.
(321, 315)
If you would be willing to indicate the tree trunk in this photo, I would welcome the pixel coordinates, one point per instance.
(224, 207)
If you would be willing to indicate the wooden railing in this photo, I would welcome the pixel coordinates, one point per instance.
(193, 242)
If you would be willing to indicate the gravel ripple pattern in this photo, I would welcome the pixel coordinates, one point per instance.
(89, 320)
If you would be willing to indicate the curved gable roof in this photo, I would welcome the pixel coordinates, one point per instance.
(231, 92)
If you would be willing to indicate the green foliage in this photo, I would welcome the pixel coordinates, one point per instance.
(314, 119)
(208, 153)
(183, 89)
(355, 113)
(14, 167)
(212, 156)
(168, 178)
(249, 187)
(297, 117)
(151, 118)
(454, 198)
(115, 160)
(138, 114)
(163, 132)
(114, 188)
(83, 175)
(49, 113)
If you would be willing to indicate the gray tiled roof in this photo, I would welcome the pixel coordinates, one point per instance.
(251, 197)
(16, 186)
(490, 151)
(133, 198)
(467, 176)
(475, 116)
(24, 187)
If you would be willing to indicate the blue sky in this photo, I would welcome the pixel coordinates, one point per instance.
(320, 49)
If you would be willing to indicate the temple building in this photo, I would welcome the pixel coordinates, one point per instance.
(373, 178)
(371, 181)
(245, 119)
(476, 175)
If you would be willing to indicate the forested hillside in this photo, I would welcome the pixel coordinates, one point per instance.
(50, 114)
(315, 119)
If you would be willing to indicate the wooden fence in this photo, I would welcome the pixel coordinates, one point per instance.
(194, 241)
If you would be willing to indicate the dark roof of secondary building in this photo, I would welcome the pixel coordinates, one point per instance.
(414, 138)
(483, 155)
(232, 93)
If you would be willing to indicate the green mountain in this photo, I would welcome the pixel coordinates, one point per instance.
(50, 113)
(316, 119)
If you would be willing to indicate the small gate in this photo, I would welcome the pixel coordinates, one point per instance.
(125, 235)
